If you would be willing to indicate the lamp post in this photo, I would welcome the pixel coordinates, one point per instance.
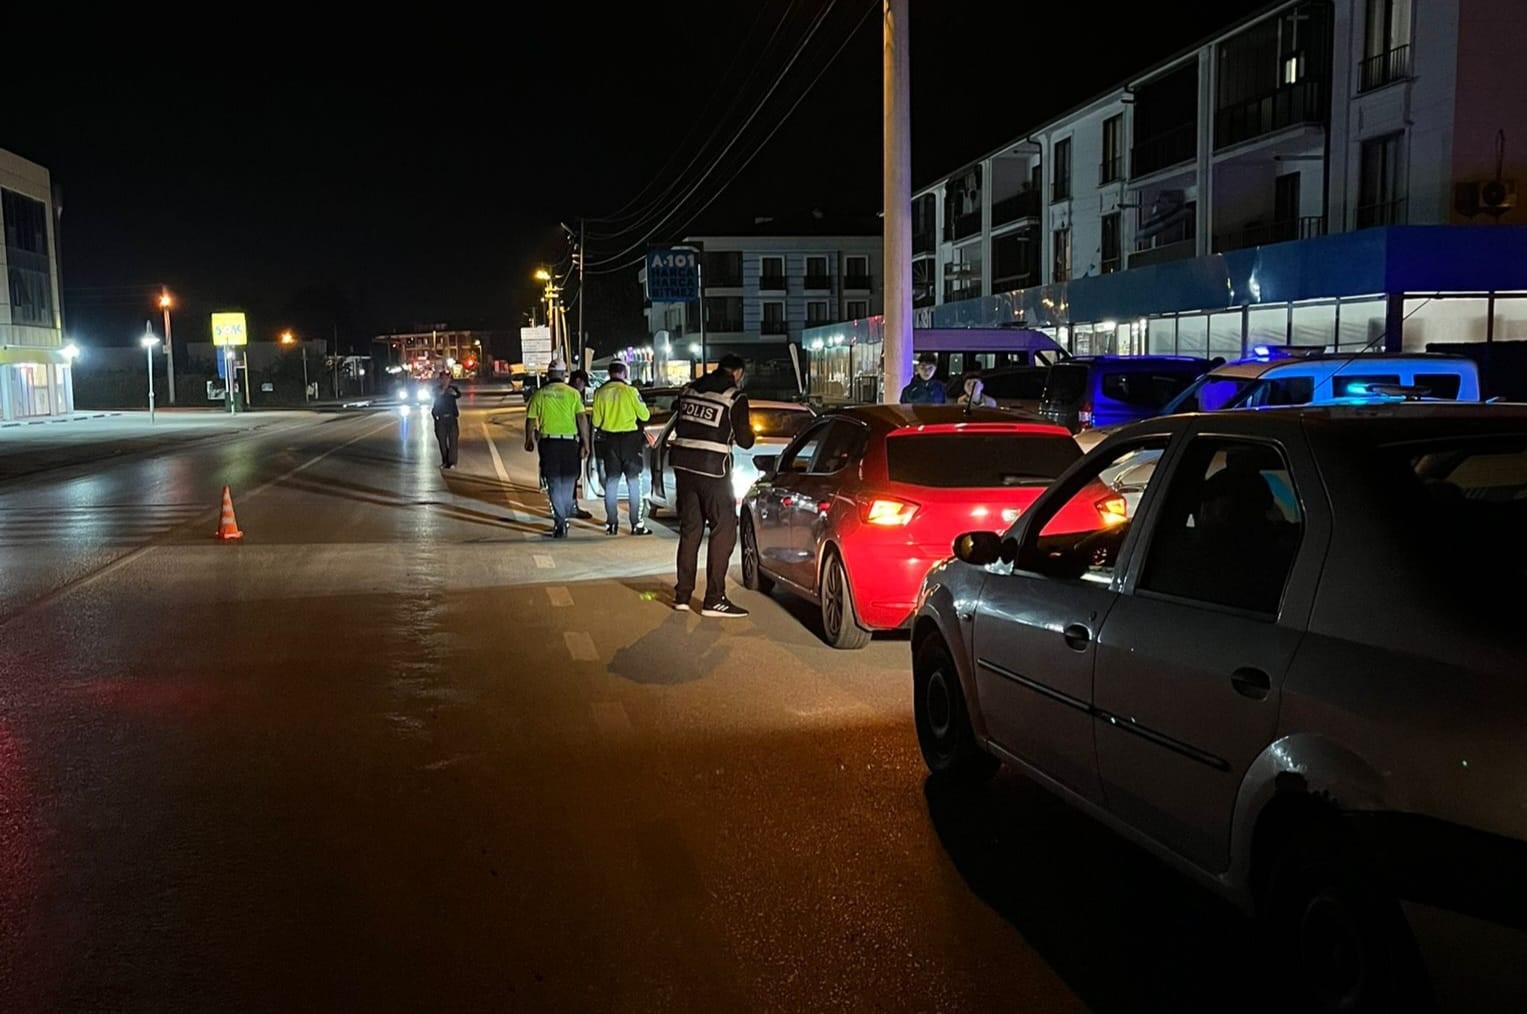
(169, 346)
(287, 338)
(148, 341)
(558, 330)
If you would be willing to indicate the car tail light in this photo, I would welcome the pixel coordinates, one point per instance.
(1112, 510)
(887, 512)
(1084, 415)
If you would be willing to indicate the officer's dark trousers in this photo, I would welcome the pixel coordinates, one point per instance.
(448, 433)
(704, 501)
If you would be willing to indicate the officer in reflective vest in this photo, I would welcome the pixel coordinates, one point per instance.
(712, 416)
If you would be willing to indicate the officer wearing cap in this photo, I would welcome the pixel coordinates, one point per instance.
(554, 424)
(924, 390)
(618, 414)
(712, 416)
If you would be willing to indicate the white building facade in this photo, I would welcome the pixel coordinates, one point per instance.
(36, 379)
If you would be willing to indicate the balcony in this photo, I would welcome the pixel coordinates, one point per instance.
(774, 327)
(771, 283)
(1307, 227)
(1385, 68)
(1024, 204)
(1012, 283)
(722, 279)
(963, 225)
(923, 295)
(1111, 264)
(1178, 243)
(1381, 213)
(1180, 144)
(924, 241)
(823, 282)
(1285, 106)
(724, 325)
(966, 290)
(1111, 170)
(858, 283)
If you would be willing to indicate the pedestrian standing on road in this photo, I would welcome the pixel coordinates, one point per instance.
(618, 414)
(447, 420)
(712, 417)
(924, 389)
(578, 380)
(552, 426)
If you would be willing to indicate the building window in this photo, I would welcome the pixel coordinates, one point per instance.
(723, 313)
(1111, 247)
(816, 273)
(773, 317)
(856, 272)
(1386, 44)
(1062, 271)
(1113, 150)
(1061, 178)
(722, 269)
(858, 309)
(816, 312)
(1380, 191)
(924, 224)
(771, 273)
(29, 270)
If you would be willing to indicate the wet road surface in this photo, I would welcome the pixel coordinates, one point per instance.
(397, 750)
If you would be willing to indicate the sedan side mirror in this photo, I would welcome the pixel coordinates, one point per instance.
(765, 464)
(981, 548)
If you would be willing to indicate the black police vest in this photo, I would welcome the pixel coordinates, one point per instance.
(702, 437)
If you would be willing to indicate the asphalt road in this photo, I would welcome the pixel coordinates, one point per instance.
(397, 750)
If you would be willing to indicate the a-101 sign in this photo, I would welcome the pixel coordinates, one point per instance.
(673, 275)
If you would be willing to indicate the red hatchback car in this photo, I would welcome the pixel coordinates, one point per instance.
(854, 511)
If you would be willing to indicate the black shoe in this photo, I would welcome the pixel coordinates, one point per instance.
(639, 530)
(612, 529)
(558, 531)
(724, 609)
(582, 515)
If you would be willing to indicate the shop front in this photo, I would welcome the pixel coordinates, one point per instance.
(34, 383)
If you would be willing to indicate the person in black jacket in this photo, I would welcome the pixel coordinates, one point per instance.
(712, 417)
(447, 420)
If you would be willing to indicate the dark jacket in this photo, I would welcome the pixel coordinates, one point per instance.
(713, 417)
(924, 392)
(445, 403)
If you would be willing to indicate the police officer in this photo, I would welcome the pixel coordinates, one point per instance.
(553, 424)
(618, 413)
(447, 420)
(712, 416)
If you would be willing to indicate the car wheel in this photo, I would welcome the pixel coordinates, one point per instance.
(652, 508)
(839, 621)
(944, 734)
(753, 577)
(1344, 942)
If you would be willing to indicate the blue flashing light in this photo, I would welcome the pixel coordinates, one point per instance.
(1261, 351)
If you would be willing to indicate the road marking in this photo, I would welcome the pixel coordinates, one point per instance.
(544, 561)
(580, 646)
(559, 595)
(612, 720)
(498, 461)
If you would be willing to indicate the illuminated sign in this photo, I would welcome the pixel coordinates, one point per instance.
(673, 275)
(229, 329)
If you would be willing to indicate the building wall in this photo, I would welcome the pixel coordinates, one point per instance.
(1490, 38)
(30, 180)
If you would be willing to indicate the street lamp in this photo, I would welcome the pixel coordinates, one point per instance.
(289, 339)
(165, 302)
(148, 341)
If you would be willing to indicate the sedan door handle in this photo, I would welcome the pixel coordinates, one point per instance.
(1077, 637)
(1251, 682)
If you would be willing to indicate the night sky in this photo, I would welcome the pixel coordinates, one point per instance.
(409, 171)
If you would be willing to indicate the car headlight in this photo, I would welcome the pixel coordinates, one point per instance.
(423, 395)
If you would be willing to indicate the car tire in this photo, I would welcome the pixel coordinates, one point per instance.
(753, 577)
(653, 509)
(840, 622)
(944, 733)
(1344, 942)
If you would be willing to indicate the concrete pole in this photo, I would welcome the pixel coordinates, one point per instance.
(896, 366)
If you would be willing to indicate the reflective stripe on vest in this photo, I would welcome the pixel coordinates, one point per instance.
(702, 436)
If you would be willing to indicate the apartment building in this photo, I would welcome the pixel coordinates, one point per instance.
(36, 377)
(1328, 172)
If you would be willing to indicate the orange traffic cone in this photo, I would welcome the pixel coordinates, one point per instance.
(228, 528)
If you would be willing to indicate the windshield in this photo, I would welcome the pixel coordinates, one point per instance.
(778, 423)
(1208, 393)
(978, 459)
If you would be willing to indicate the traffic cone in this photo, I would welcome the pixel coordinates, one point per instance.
(228, 528)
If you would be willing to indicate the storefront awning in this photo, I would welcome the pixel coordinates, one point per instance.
(31, 354)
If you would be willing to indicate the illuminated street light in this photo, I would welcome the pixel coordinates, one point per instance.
(289, 339)
(149, 341)
(542, 275)
(71, 352)
(165, 302)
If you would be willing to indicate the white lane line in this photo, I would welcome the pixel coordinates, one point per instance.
(544, 562)
(559, 595)
(612, 720)
(580, 646)
(515, 512)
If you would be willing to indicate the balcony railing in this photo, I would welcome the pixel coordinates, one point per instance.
(1111, 170)
(1179, 250)
(774, 327)
(924, 241)
(1023, 204)
(1180, 144)
(1306, 227)
(819, 281)
(1377, 71)
(1285, 106)
(719, 280)
(724, 325)
(962, 225)
(1111, 264)
(771, 283)
(967, 290)
(1012, 283)
(924, 296)
(1381, 213)
(859, 282)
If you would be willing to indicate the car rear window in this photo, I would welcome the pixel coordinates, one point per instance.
(978, 459)
(1153, 389)
(1066, 385)
(1345, 385)
(778, 422)
(1472, 502)
(1440, 385)
(1019, 384)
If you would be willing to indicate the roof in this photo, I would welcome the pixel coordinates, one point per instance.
(1334, 360)
(899, 416)
(1401, 421)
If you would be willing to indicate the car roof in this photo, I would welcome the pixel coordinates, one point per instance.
(1334, 360)
(1133, 360)
(783, 405)
(899, 416)
(1384, 422)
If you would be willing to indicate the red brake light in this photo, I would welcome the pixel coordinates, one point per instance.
(1084, 415)
(887, 512)
(1112, 510)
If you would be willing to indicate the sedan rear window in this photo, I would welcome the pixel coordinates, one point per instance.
(1472, 502)
(978, 459)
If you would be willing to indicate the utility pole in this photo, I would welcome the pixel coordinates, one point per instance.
(169, 346)
(582, 336)
(896, 364)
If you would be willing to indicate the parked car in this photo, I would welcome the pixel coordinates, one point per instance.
(1093, 391)
(1013, 387)
(1295, 674)
(775, 424)
(659, 401)
(858, 506)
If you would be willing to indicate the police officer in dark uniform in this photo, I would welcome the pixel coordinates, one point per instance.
(712, 416)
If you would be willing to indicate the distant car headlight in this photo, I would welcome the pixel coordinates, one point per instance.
(742, 482)
(422, 396)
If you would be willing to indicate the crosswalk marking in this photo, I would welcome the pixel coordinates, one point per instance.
(106, 524)
(559, 595)
(612, 720)
(544, 561)
(580, 646)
